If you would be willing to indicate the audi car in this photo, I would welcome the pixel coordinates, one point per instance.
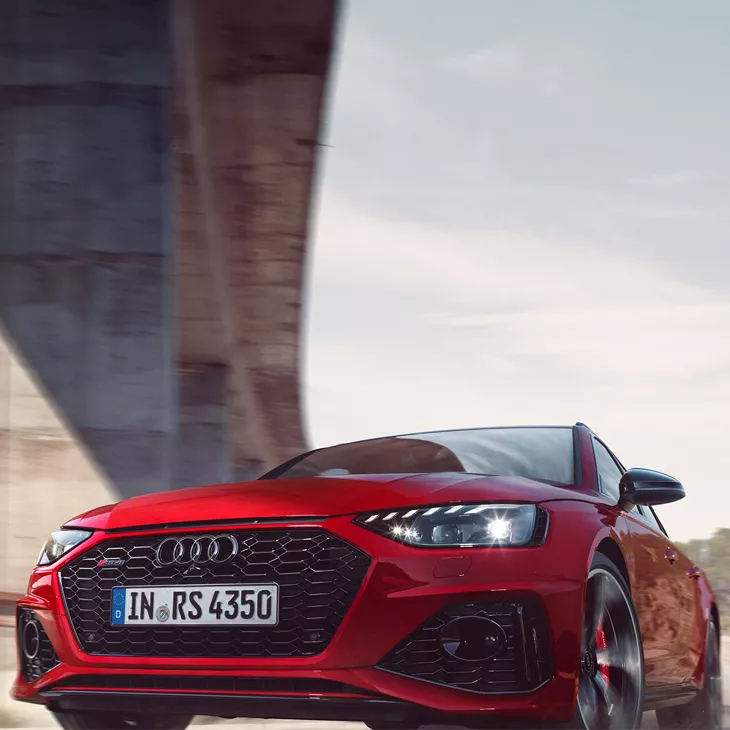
(460, 577)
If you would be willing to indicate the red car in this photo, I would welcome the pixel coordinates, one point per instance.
(458, 577)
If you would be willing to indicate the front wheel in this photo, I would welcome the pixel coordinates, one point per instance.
(611, 684)
(118, 721)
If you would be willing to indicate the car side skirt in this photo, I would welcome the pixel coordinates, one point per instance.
(657, 699)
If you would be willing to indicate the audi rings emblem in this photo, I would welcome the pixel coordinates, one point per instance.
(217, 549)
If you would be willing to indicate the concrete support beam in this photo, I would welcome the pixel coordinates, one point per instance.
(151, 247)
(203, 448)
(85, 214)
(5, 499)
(46, 473)
(251, 79)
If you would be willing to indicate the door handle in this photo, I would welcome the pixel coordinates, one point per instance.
(694, 572)
(670, 555)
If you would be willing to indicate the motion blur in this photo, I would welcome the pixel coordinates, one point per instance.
(234, 233)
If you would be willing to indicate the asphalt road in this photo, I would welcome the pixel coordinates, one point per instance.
(44, 722)
(649, 722)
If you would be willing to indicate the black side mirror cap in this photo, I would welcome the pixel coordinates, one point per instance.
(647, 487)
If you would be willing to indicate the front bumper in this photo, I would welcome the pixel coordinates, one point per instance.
(404, 588)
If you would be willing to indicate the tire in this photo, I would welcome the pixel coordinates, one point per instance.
(394, 725)
(705, 711)
(115, 721)
(611, 673)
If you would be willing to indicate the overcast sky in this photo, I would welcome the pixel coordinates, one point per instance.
(523, 218)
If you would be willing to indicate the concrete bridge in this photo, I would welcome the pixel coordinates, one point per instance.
(157, 162)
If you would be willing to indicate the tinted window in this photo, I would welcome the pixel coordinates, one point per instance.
(609, 474)
(647, 514)
(534, 453)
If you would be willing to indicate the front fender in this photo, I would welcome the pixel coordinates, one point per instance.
(578, 528)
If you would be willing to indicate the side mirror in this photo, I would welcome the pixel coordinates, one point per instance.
(647, 487)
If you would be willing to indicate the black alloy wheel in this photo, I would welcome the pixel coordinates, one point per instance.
(611, 684)
(704, 712)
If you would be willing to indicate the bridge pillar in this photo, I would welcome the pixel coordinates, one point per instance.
(152, 239)
(203, 446)
(86, 220)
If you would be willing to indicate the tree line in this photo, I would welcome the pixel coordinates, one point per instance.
(713, 557)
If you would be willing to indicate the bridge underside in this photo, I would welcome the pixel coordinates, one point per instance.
(251, 79)
(157, 163)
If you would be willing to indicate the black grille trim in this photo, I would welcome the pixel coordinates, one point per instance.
(318, 575)
(542, 520)
(524, 665)
(201, 683)
(46, 658)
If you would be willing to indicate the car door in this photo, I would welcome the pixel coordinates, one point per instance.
(686, 588)
(666, 591)
(656, 579)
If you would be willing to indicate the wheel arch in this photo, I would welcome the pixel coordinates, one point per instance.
(609, 548)
(715, 616)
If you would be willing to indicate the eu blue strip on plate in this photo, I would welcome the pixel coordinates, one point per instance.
(117, 606)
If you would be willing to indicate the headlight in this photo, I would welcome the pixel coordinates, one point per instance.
(458, 525)
(61, 542)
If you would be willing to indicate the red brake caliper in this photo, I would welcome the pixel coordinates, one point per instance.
(602, 645)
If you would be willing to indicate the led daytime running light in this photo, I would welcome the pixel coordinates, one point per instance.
(456, 525)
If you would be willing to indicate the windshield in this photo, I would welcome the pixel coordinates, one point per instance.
(534, 453)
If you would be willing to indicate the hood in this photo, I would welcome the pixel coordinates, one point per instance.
(313, 497)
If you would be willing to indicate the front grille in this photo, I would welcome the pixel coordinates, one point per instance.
(37, 655)
(258, 685)
(318, 575)
(523, 665)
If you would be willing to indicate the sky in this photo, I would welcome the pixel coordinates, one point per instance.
(523, 218)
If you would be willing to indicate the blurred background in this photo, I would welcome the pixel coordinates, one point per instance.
(235, 229)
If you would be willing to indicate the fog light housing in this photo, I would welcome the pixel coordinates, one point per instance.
(30, 640)
(472, 639)
(35, 650)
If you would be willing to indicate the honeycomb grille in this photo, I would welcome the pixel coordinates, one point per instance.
(523, 665)
(318, 575)
(44, 658)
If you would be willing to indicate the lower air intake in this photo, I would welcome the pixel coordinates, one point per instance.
(515, 656)
(37, 655)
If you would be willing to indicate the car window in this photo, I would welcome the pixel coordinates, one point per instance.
(647, 515)
(651, 518)
(609, 473)
(530, 452)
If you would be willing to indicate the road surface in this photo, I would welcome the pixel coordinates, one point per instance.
(649, 722)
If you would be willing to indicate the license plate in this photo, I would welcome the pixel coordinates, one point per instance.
(245, 605)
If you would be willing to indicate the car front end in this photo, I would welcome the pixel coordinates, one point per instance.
(368, 626)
